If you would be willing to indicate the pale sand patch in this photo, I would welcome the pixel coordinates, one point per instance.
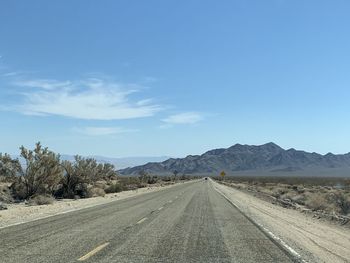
(314, 240)
(21, 213)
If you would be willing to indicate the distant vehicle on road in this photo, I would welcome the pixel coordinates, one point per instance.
(205, 178)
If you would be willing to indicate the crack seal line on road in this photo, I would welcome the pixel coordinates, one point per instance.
(277, 240)
(93, 252)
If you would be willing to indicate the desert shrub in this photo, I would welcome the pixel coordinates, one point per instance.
(81, 172)
(166, 179)
(277, 192)
(9, 168)
(41, 174)
(152, 179)
(5, 194)
(44, 199)
(101, 184)
(115, 188)
(344, 204)
(18, 190)
(106, 171)
(131, 183)
(184, 177)
(288, 195)
(316, 202)
(340, 201)
(95, 192)
(301, 190)
(299, 199)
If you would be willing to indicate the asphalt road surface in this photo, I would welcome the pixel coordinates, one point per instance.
(189, 222)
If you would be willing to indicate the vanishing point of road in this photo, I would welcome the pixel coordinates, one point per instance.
(188, 222)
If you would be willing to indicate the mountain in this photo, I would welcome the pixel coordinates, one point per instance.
(266, 159)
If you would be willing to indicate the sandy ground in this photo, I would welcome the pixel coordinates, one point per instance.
(21, 213)
(314, 240)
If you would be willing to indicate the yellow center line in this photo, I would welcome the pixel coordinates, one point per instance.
(142, 220)
(93, 252)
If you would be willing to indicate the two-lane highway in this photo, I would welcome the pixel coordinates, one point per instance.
(189, 222)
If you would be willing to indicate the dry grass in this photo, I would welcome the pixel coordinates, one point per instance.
(41, 200)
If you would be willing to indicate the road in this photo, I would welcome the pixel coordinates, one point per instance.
(189, 222)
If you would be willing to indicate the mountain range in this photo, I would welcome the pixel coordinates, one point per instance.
(266, 159)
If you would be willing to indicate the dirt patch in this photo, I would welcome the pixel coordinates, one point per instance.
(314, 240)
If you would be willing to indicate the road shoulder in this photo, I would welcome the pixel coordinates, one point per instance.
(315, 240)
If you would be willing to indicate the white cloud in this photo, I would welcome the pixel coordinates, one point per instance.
(183, 118)
(91, 99)
(100, 131)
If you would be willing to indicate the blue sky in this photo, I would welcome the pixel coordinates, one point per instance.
(150, 78)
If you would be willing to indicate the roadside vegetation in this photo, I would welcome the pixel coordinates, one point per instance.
(328, 197)
(41, 176)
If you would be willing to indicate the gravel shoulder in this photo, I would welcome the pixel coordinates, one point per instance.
(314, 240)
(22, 213)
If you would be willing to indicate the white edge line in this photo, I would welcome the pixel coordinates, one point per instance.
(44, 217)
(268, 232)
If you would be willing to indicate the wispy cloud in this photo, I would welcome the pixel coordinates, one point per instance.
(11, 74)
(91, 99)
(47, 84)
(101, 131)
(183, 118)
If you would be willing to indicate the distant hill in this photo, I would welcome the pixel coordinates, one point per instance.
(119, 163)
(267, 159)
(123, 162)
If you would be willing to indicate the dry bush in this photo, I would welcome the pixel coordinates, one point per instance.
(131, 183)
(19, 190)
(41, 200)
(299, 199)
(43, 171)
(278, 192)
(316, 202)
(340, 201)
(84, 171)
(95, 192)
(101, 184)
(288, 195)
(5, 194)
(115, 188)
